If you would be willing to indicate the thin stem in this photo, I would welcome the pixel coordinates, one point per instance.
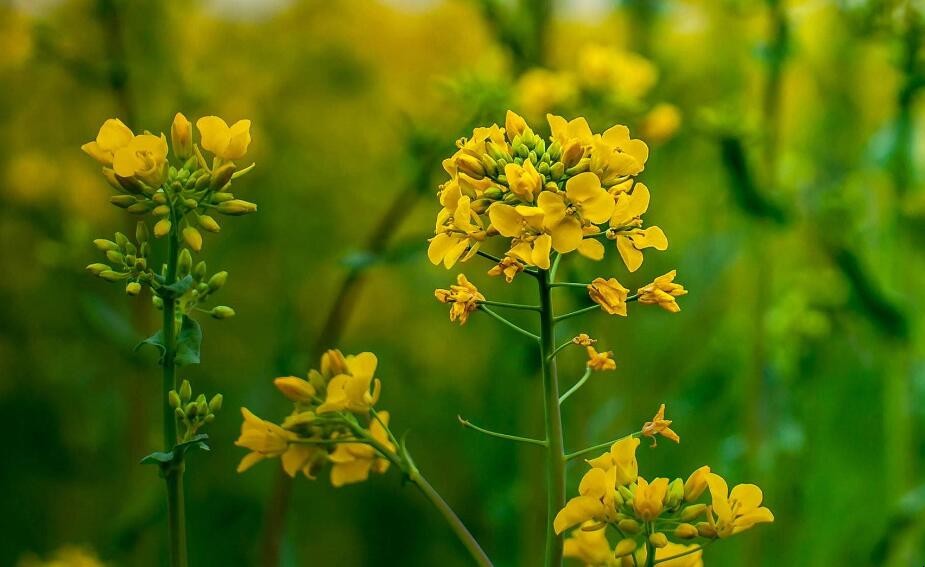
(510, 305)
(650, 551)
(555, 452)
(472, 546)
(508, 323)
(577, 385)
(566, 344)
(568, 284)
(176, 509)
(491, 257)
(587, 309)
(554, 269)
(519, 439)
(598, 447)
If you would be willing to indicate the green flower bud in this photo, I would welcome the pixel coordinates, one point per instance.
(141, 207)
(629, 526)
(215, 404)
(115, 257)
(193, 238)
(626, 493)
(658, 539)
(236, 207)
(557, 170)
(158, 302)
(133, 288)
(186, 391)
(691, 512)
(97, 269)
(141, 232)
(161, 211)
(471, 166)
(112, 276)
(685, 531)
(493, 193)
(184, 263)
(675, 494)
(554, 151)
(203, 182)
(191, 410)
(199, 271)
(123, 201)
(190, 203)
(202, 408)
(192, 164)
(105, 245)
(222, 175)
(208, 223)
(209, 418)
(490, 165)
(174, 399)
(540, 146)
(222, 312)
(218, 280)
(122, 240)
(180, 413)
(221, 197)
(159, 198)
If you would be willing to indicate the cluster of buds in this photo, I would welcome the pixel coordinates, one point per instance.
(661, 514)
(565, 195)
(189, 192)
(333, 422)
(191, 413)
(200, 290)
(125, 261)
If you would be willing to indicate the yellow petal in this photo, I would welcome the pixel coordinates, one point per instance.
(567, 235)
(553, 207)
(540, 254)
(214, 134)
(439, 246)
(113, 135)
(747, 495)
(583, 187)
(249, 460)
(631, 256)
(350, 472)
(295, 458)
(576, 511)
(591, 248)
(505, 219)
(239, 139)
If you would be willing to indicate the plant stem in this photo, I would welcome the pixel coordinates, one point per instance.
(472, 546)
(555, 452)
(508, 323)
(176, 509)
(577, 385)
(519, 439)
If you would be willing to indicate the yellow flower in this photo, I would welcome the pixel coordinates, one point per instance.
(696, 484)
(736, 511)
(583, 340)
(662, 292)
(616, 156)
(531, 244)
(351, 390)
(226, 142)
(660, 426)
(649, 499)
(113, 135)
(296, 389)
(181, 136)
(459, 230)
(663, 556)
(572, 135)
(589, 546)
(600, 361)
(144, 157)
(540, 90)
(264, 439)
(515, 125)
(588, 199)
(661, 123)
(523, 180)
(625, 223)
(609, 294)
(509, 267)
(595, 501)
(464, 296)
(352, 462)
(622, 459)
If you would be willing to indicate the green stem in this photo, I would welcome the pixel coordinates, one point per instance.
(555, 453)
(568, 284)
(510, 305)
(581, 311)
(577, 385)
(176, 509)
(508, 323)
(598, 447)
(650, 551)
(519, 439)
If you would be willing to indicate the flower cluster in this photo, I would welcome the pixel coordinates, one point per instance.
(333, 421)
(564, 196)
(189, 192)
(667, 514)
(192, 413)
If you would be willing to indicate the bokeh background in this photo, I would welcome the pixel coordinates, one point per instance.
(785, 136)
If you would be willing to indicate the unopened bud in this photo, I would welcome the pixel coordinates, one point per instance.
(470, 166)
(629, 526)
(236, 207)
(688, 513)
(685, 531)
(186, 391)
(222, 312)
(218, 280)
(215, 404)
(221, 197)
(161, 228)
(181, 137)
(111, 276)
(222, 175)
(115, 257)
(675, 494)
(184, 263)
(97, 269)
(174, 399)
(193, 238)
(123, 201)
(202, 408)
(133, 288)
(658, 539)
(200, 270)
(706, 530)
(625, 547)
(141, 207)
(105, 245)
(208, 223)
(141, 232)
(161, 211)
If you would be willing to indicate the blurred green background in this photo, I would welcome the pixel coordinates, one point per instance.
(790, 193)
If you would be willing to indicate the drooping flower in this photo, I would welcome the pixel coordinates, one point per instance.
(463, 296)
(352, 462)
(660, 426)
(662, 292)
(625, 228)
(600, 361)
(226, 142)
(350, 390)
(609, 294)
(263, 438)
(736, 511)
(509, 267)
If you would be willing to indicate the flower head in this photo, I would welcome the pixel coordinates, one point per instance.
(463, 296)
(350, 390)
(736, 511)
(662, 292)
(600, 361)
(609, 294)
(649, 498)
(226, 142)
(144, 157)
(113, 135)
(660, 426)
(352, 462)
(625, 228)
(263, 438)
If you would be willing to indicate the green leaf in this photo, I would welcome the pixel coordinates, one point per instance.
(177, 288)
(165, 459)
(189, 341)
(157, 341)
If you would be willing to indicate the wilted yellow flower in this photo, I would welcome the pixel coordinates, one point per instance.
(352, 462)
(225, 142)
(661, 123)
(351, 390)
(583, 340)
(736, 511)
(113, 135)
(144, 157)
(464, 296)
(296, 389)
(509, 267)
(609, 294)
(649, 498)
(625, 223)
(662, 292)
(600, 361)
(264, 439)
(660, 426)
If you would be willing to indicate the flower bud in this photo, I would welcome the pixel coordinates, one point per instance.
(215, 404)
(181, 137)
(625, 547)
(97, 269)
(186, 391)
(222, 175)
(141, 232)
(222, 312)
(629, 526)
(105, 245)
(571, 153)
(202, 408)
(688, 513)
(161, 211)
(675, 494)
(470, 166)
(161, 228)
(221, 197)
(115, 257)
(658, 539)
(111, 276)
(184, 263)
(218, 280)
(174, 399)
(294, 388)
(208, 223)
(584, 164)
(200, 270)
(123, 201)
(685, 531)
(236, 207)
(133, 288)
(706, 530)
(193, 238)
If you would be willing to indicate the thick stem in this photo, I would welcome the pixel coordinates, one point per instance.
(472, 546)
(176, 510)
(555, 451)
